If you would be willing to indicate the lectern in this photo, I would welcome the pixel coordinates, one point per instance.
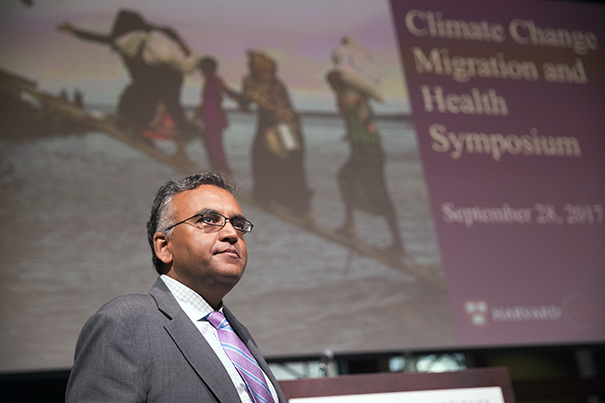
(400, 382)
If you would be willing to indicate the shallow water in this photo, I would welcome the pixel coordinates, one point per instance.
(73, 212)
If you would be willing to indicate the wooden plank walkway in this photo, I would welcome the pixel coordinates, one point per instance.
(14, 83)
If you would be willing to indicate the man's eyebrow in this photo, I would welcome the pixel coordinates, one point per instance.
(213, 211)
(207, 210)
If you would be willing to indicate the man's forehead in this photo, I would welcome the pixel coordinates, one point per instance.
(206, 197)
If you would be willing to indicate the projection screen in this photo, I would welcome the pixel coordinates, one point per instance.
(486, 127)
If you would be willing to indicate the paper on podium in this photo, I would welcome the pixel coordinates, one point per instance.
(462, 395)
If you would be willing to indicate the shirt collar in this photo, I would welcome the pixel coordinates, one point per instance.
(194, 305)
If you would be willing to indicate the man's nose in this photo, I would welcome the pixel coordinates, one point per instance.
(229, 230)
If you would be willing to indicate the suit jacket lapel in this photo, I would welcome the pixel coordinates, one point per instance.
(193, 345)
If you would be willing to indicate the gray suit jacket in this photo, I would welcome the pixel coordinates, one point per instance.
(144, 348)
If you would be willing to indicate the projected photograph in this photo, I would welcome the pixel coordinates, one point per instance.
(304, 104)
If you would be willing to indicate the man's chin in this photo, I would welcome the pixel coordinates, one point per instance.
(230, 273)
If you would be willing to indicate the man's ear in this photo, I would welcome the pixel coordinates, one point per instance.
(161, 245)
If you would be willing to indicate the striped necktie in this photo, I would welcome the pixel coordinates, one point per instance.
(242, 359)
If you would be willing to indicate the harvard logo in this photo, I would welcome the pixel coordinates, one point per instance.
(476, 312)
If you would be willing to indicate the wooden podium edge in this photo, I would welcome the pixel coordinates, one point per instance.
(400, 382)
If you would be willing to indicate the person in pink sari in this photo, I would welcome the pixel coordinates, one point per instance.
(213, 116)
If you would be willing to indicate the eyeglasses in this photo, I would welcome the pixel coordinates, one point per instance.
(213, 219)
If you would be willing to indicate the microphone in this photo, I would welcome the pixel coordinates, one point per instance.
(325, 359)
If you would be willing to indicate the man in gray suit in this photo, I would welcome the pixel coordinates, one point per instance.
(161, 347)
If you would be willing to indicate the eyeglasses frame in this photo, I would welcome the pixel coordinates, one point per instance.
(201, 215)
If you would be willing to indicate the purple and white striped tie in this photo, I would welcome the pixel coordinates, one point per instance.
(242, 359)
